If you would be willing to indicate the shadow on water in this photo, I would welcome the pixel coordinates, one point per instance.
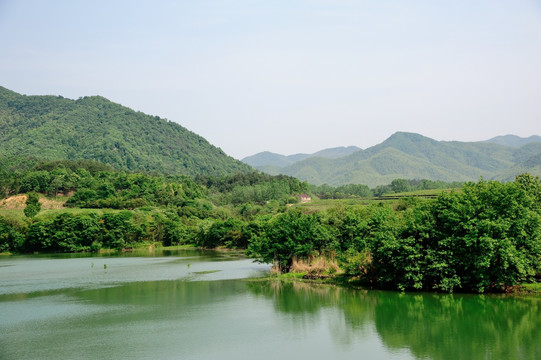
(434, 326)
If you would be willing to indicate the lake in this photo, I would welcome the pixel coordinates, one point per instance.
(192, 304)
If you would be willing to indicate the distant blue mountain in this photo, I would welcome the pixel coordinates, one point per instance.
(267, 158)
(513, 140)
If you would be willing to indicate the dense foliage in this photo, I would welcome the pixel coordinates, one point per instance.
(56, 128)
(254, 188)
(482, 237)
(166, 209)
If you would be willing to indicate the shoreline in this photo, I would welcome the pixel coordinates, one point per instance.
(526, 289)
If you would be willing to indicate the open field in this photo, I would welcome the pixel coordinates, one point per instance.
(420, 193)
(394, 200)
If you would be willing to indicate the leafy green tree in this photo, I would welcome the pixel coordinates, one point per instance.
(10, 238)
(119, 229)
(492, 232)
(33, 206)
(38, 181)
(384, 244)
(289, 235)
(175, 232)
(400, 185)
(350, 227)
(223, 232)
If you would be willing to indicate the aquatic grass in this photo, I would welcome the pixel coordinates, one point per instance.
(316, 266)
(206, 272)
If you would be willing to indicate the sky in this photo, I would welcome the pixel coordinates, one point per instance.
(289, 76)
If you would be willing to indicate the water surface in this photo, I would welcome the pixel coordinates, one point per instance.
(201, 305)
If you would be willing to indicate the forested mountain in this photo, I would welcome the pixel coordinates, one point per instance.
(413, 156)
(268, 159)
(513, 140)
(56, 128)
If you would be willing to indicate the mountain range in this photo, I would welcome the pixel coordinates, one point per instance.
(410, 156)
(56, 128)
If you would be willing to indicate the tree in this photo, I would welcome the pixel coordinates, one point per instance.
(10, 238)
(33, 206)
(228, 232)
(400, 185)
(289, 235)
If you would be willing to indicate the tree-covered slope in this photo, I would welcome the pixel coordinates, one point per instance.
(56, 128)
(413, 156)
(531, 165)
(513, 140)
(266, 159)
(336, 152)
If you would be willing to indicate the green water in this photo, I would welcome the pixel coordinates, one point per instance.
(200, 305)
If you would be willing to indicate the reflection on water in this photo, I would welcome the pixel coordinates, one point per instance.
(191, 305)
(434, 326)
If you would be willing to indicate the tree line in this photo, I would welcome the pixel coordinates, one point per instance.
(396, 186)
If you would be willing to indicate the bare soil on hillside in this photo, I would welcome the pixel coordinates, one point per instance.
(18, 202)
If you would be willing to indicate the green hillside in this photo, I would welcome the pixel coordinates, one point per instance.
(530, 165)
(336, 152)
(413, 156)
(266, 160)
(514, 141)
(56, 128)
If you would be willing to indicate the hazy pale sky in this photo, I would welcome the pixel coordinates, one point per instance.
(289, 76)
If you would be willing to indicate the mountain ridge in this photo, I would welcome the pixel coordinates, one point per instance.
(93, 127)
(414, 156)
(513, 140)
(267, 158)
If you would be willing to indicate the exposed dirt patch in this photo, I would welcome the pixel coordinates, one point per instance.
(13, 202)
(47, 204)
(18, 202)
